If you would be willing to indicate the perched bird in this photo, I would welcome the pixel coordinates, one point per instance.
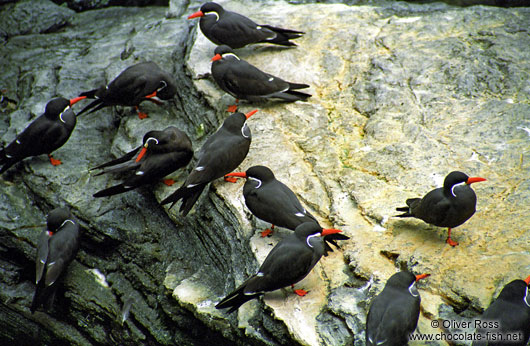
(394, 313)
(57, 247)
(162, 153)
(448, 206)
(288, 262)
(245, 81)
(508, 314)
(47, 133)
(137, 83)
(272, 201)
(236, 31)
(220, 154)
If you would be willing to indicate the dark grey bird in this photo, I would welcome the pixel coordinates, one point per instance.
(448, 206)
(272, 201)
(394, 313)
(220, 154)
(288, 263)
(57, 247)
(507, 317)
(245, 81)
(236, 31)
(144, 81)
(47, 133)
(162, 153)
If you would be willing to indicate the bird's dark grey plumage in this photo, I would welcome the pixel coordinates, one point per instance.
(245, 81)
(57, 247)
(288, 262)
(162, 153)
(224, 27)
(220, 154)
(144, 81)
(448, 206)
(508, 314)
(45, 134)
(272, 201)
(394, 313)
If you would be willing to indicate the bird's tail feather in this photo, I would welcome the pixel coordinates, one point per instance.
(283, 36)
(122, 159)
(408, 209)
(43, 296)
(237, 298)
(188, 195)
(113, 190)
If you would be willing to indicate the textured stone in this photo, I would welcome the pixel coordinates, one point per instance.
(402, 94)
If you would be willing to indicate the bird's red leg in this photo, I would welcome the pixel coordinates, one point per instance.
(267, 232)
(300, 292)
(141, 115)
(449, 240)
(53, 161)
(169, 182)
(232, 108)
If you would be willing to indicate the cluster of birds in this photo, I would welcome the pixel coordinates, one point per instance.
(393, 314)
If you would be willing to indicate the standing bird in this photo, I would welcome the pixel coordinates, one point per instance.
(162, 153)
(272, 201)
(220, 154)
(394, 313)
(447, 206)
(245, 81)
(288, 262)
(137, 83)
(508, 314)
(57, 247)
(47, 133)
(236, 31)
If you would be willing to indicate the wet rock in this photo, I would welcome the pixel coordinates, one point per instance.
(33, 17)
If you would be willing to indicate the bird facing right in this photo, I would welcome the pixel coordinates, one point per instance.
(45, 134)
(394, 313)
(448, 206)
(220, 154)
(288, 262)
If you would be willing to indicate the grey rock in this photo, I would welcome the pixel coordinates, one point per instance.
(33, 17)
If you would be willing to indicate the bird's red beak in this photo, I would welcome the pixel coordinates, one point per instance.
(251, 113)
(151, 95)
(77, 99)
(217, 57)
(474, 180)
(196, 14)
(142, 153)
(527, 280)
(237, 175)
(328, 231)
(422, 276)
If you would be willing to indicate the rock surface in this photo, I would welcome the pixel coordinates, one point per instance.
(402, 94)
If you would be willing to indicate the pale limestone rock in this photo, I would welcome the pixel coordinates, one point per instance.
(398, 102)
